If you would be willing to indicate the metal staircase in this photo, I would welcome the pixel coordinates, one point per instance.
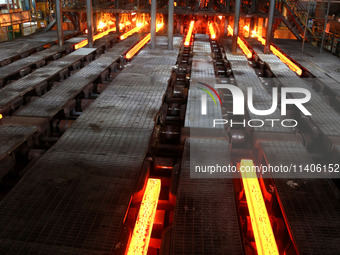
(297, 18)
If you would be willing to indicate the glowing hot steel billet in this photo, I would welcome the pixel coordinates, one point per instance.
(263, 232)
(241, 44)
(132, 31)
(141, 43)
(188, 37)
(212, 31)
(100, 35)
(140, 239)
(280, 55)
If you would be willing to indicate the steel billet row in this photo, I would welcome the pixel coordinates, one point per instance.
(166, 149)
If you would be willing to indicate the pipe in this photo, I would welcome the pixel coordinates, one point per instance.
(269, 33)
(171, 25)
(59, 23)
(236, 25)
(89, 16)
(153, 23)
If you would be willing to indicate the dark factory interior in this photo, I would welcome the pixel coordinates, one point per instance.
(153, 127)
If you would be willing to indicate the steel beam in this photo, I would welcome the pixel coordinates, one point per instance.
(59, 23)
(269, 33)
(226, 24)
(171, 25)
(117, 23)
(89, 16)
(236, 25)
(153, 23)
(253, 6)
(325, 26)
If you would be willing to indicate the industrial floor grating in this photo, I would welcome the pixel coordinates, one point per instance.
(22, 46)
(205, 219)
(74, 199)
(54, 100)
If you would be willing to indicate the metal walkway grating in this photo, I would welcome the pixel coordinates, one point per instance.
(205, 219)
(245, 77)
(18, 89)
(12, 137)
(323, 115)
(53, 101)
(74, 199)
(202, 70)
(34, 59)
(311, 207)
(13, 49)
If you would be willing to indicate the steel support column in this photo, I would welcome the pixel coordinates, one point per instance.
(171, 25)
(153, 23)
(252, 25)
(253, 6)
(89, 16)
(325, 26)
(117, 23)
(236, 25)
(59, 23)
(226, 24)
(269, 33)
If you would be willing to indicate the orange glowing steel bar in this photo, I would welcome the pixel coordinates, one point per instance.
(96, 37)
(286, 60)
(132, 31)
(263, 232)
(140, 239)
(188, 38)
(212, 31)
(280, 55)
(80, 44)
(141, 43)
(241, 44)
(1, 116)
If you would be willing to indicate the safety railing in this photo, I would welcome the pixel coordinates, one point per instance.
(16, 24)
(301, 14)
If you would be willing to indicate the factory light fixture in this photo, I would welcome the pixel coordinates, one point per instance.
(263, 232)
(140, 239)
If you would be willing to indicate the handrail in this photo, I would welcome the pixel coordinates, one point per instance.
(301, 13)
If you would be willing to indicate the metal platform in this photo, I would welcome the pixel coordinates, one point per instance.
(16, 90)
(310, 206)
(12, 137)
(54, 101)
(323, 65)
(202, 70)
(35, 60)
(24, 46)
(74, 199)
(325, 118)
(245, 77)
(205, 219)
